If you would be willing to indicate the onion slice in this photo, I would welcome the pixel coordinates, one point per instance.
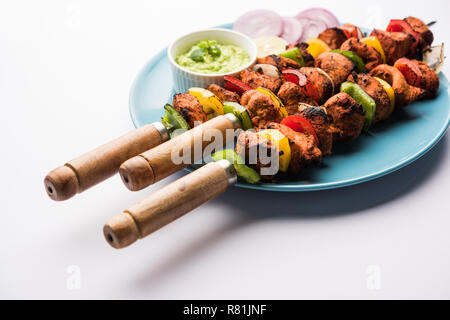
(267, 69)
(311, 28)
(434, 57)
(292, 29)
(327, 17)
(258, 23)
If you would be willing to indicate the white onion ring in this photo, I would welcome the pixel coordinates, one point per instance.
(267, 69)
(259, 23)
(292, 29)
(321, 14)
(311, 28)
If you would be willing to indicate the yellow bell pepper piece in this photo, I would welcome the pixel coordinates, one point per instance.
(375, 43)
(280, 141)
(281, 109)
(211, 104)
(316, 47)
(391, 94)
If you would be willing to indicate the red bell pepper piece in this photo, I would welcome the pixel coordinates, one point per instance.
(236, 85)
(410, 71)
(351, 31)
(300, 124)
(403, 26)
(308, 88)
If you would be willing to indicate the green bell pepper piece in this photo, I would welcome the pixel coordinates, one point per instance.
(360, 96)
(174, 121)
(240, 112)
(357, 61)
(294, 54)
(244, 172)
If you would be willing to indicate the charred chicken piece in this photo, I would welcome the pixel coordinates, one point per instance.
(336, 65)
(333, 37)
(376, 91)
(422, 29)
(370, 56)
(319, 120)
(396, 45)
(429, 81)
(250, 146)
(190, 108)
(303, 47)
(281, 63)
(291, 95)
(260, 108)
(255, 80)
(304, 150)
(224, 94)
(404, 93)
(323, 85)
(347, 115)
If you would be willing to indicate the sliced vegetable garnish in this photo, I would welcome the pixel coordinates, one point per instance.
(281, 109)
(294, 54)
(375, 43)
(240, 112)
(236, 85)
(434, 57)
(267, 69)
(410, 71)
(244, 172)
(292, 29)
(351, 31)
(173, 121)
(316, 47)
(324, 15)
(300, 124)
(210, 102)
(403, 26)
(366, 101)
(357, 61)
(297, 77)
(280, 141)
(270, 45)
(391, 94)
(259, 23)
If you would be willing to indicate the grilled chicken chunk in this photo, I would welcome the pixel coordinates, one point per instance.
(323, 85)
(319, 120)
(260, 108)
(404, 93)
(333, 37)
(396, 45)
(429, 81)
(291, 95)
(370, 56)
(422, 29)
(255, 80)
(190, 108)
(224, 94)
(348, 117)
(336, 65)
(281, 63)
(375, 90)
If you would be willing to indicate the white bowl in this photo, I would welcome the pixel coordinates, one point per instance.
(184, 79)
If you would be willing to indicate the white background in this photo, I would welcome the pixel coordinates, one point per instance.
(65, 72)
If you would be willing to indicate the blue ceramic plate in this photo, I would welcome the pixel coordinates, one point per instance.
(388, 146)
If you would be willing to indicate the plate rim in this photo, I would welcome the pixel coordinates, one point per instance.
(147, 67)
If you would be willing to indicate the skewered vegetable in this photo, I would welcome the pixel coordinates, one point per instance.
(360, 96)
(173, 121)
(244, 172)
(240, 112)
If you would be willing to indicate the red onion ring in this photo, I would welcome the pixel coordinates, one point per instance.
(292, 29)
(311, 28)
(328, 18)
(259, 23)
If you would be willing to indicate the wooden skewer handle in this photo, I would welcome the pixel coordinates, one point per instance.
(156, 164)
(169, 203)
(101, 163)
